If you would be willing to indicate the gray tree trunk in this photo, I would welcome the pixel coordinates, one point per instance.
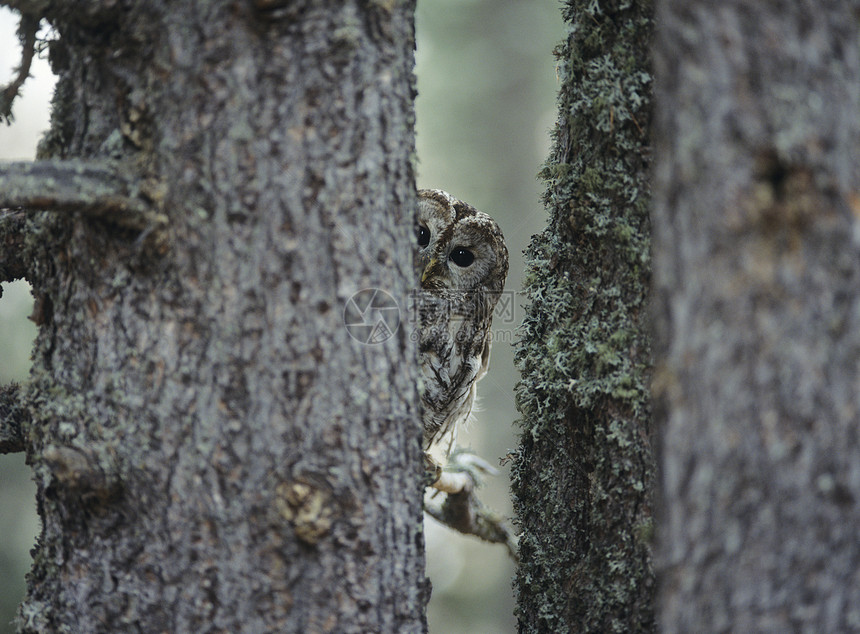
(583, 475)
(213, 450)
(757, 277)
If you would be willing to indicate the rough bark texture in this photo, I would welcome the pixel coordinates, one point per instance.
(757, 271)
(583, 475)
(12, 420)
(13, 234)
(212, 449)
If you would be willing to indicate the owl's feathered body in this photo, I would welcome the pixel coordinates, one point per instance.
(461, 263)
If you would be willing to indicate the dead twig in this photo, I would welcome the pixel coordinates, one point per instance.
(27, 29)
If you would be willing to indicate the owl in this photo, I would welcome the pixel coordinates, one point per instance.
(460, 265)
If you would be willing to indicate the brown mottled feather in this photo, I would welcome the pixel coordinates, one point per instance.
(455, 309)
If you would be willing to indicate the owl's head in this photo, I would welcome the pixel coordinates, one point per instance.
(459, 247)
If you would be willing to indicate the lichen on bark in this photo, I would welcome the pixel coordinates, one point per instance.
(583, 475)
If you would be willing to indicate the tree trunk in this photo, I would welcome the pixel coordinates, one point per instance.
(583, 475)
(213, 449)
(757, 271)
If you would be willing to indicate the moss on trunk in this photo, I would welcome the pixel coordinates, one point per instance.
(583, 476)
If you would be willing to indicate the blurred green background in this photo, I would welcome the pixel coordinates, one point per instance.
(486, 103)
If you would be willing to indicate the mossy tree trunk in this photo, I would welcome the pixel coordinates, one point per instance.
(583, 475)
(757, 278)
(213, 451)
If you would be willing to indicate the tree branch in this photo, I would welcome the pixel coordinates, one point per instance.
(465, 514)
(12, 418)
(461, 509)
(93, 189)
(27, 29)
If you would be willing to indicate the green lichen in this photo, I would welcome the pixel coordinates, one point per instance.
(582, 480)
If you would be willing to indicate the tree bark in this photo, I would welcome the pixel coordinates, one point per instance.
(213, 450)
(583, 475)
(757, 270)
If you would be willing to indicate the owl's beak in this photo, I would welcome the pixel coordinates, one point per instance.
(428, 270)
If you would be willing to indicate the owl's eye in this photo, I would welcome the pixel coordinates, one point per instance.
(423, 236)
(462, 257)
